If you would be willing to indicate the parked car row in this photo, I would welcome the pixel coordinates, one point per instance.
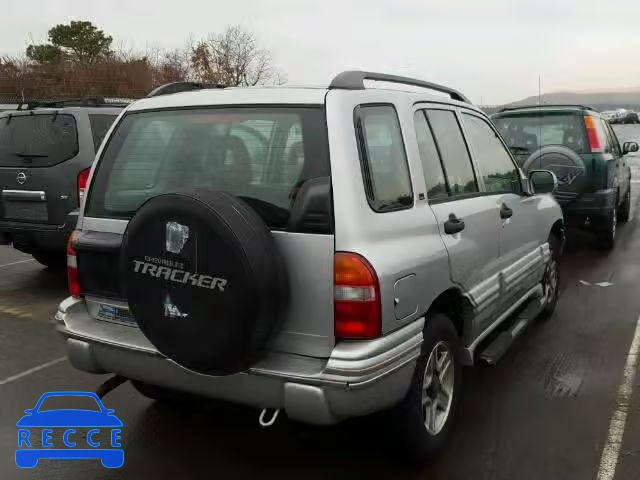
(328, 252)
(621, 116)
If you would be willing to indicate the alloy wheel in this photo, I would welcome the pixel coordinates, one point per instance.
(437, 388)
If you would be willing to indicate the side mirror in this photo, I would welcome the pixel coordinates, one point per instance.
(543, 181)
(629, 147)
(29, 411)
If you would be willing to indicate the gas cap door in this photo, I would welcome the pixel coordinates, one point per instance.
(405, 297)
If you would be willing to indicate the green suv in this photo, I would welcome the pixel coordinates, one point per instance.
(581, 148)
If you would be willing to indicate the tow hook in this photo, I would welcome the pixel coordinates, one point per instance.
(111, 384)
(263, 417)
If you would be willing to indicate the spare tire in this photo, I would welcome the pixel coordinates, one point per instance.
(564, 162)
(204, 279)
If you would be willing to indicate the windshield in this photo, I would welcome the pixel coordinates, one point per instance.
(524, 134)
(262, 155)
(37, 140)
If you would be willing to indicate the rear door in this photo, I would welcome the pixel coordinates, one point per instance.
(468, 220)
(553, 140)
(33, 145)
(270, 157)
(42, 153)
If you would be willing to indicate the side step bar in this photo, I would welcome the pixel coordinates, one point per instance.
(501, 343)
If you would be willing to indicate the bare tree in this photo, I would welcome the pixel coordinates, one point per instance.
(234, 58)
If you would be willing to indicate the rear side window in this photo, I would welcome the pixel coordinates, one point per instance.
(524, 134)
(262, 155)
(100, 124)
(383, 158)
(455, 155)
(498, 170)
(37, 140)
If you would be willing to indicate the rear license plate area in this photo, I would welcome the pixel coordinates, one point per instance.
(25, 211)
(115, 314)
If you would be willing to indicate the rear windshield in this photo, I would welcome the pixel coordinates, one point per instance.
(37, 140)
(100, 124)
(262, 155)
(525, 134)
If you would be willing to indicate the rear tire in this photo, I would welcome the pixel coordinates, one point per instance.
(52, 260)
(625, 207)
(551, 279)
(607, 236)
(423, 419)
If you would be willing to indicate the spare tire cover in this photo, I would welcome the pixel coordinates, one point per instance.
(204, 279)
(564, 162)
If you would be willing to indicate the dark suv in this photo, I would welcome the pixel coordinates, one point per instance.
(46, 152)
(581, 148)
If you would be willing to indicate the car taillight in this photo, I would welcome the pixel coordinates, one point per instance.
(356, 298)
(83, 179)
(594, 135)
(72, 267)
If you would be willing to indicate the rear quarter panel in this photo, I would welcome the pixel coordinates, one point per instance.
(397, 244)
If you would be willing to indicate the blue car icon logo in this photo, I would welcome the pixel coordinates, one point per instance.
(68, 433)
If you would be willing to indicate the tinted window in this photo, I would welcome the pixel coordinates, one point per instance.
(262, 155)
(100, 124)
(455, 156)
(384, 162)
(526, 133)
(431, 166)
(37, 140)
(496, 167)
(613, 139)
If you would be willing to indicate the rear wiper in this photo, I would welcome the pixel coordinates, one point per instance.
(31, 155)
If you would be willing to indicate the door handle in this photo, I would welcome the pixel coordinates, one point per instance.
(453, 225)
(505, 212)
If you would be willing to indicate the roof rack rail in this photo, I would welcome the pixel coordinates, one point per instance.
(177, 87)
(92, 101)
(544, 105)
(354, 80)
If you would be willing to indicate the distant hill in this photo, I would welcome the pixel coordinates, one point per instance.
(599, 100)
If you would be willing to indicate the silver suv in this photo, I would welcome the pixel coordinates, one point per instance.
(331, 252)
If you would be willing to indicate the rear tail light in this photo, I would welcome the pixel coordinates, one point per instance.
(72, 267)
(83, 180)
(356, 298)
(595, 135)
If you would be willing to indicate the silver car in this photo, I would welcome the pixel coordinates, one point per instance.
(329, 252)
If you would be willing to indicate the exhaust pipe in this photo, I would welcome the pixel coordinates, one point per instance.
(111, 384)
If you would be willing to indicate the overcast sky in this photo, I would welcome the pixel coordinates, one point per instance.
(492, 50)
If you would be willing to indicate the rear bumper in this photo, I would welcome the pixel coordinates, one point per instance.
(357, 379)
(588, 209)
(28, 237)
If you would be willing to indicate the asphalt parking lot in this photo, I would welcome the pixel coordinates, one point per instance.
(543, 413)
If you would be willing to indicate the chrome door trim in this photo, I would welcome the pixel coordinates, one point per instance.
(25, 195)
(534, 292)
